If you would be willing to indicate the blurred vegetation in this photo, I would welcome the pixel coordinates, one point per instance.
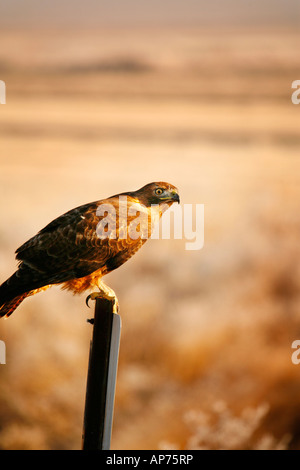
(205, 358)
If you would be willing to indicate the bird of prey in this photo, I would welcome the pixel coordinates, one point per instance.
(78, 248)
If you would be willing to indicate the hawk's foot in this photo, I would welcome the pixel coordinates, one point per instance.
(104, 292)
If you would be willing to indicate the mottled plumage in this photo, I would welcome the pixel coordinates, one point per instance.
(69, 251)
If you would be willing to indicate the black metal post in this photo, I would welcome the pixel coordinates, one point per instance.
(101, 377)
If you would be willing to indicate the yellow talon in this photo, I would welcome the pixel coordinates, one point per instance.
(104, 292)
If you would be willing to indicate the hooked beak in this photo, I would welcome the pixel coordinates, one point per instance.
(172, 196)
(175, 196)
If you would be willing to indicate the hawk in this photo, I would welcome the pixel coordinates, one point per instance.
(78, 248)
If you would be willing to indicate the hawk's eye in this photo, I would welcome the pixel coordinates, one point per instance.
(159, 191)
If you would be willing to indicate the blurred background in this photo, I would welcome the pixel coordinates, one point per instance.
(104, 97)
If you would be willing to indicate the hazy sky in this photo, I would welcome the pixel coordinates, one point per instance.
(143, 12)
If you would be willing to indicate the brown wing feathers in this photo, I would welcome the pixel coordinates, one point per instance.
(68, 251)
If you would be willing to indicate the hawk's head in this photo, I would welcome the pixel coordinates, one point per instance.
(157, 193)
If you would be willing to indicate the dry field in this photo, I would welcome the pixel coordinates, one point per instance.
(205, 358)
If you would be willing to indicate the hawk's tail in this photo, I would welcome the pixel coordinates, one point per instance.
(10, 306)
(15, 289)
(12, 292)
(21, 284)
